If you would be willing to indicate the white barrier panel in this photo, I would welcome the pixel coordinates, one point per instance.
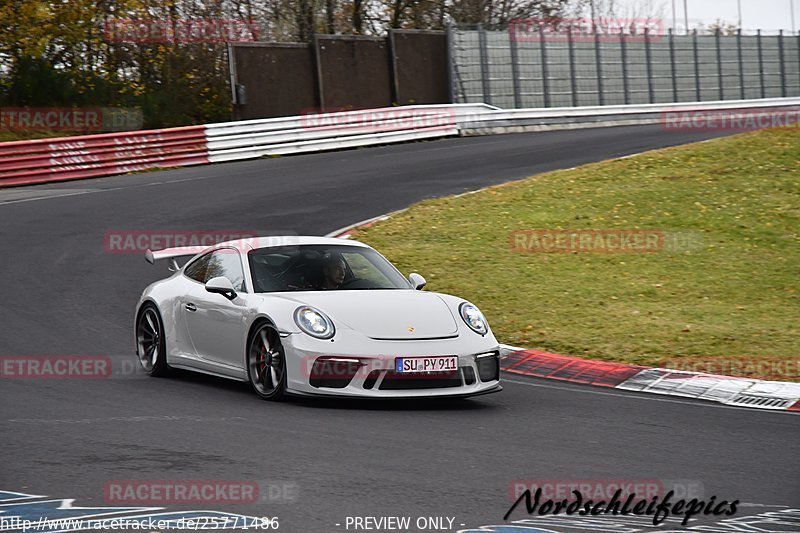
(518, 120)
(315, 132)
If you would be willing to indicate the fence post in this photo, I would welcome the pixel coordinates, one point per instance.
(572, 77)
(393, 77)
(451, 63)
(232, 71)
(649, 61)
(783, 63)
(545, 73)
(672, 65)
(484, 53)
(719, 64)
(318, 72)
(599, 63)
(696, 67)
(741, 63)
(512, 41)
(623, 47)
(760, 63)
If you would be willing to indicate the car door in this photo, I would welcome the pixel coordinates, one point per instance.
(216, 324)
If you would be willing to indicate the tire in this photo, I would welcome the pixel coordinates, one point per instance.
(266, 362)
(151, 343)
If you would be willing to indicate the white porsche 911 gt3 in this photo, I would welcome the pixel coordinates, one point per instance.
(312, 316)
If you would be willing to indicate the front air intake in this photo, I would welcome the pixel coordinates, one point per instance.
(333, 372)
(488, 367)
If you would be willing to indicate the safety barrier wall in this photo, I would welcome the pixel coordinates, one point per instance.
(88, 156)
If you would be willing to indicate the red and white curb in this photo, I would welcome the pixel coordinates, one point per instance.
(742, 392)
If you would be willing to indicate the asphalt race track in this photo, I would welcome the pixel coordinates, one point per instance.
(64, 294)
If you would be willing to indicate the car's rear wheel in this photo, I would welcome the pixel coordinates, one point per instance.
(151, 345)
(266, 362)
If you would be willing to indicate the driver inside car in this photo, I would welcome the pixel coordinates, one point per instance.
(334, 270)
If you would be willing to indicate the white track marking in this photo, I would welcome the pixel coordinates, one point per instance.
(92, 191)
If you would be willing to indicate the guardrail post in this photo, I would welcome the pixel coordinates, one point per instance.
(672, 65)
(484, 53)
(512, 42)
(572, 78)
(649, 61)
(623, 48)
(599, 63)
(719, 64)
(760, 63)
(696, 66)
(741, 63)
(783, 63)
(545, 72)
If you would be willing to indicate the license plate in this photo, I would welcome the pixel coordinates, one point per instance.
(411, 365)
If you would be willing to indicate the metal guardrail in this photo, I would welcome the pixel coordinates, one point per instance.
(521, 120)
(88, 156)
(330, 131)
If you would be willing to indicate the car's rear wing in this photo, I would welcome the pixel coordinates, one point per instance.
(171, 253)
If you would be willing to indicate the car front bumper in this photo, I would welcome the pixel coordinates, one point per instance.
(358, 367)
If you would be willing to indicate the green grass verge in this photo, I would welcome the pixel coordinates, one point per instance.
(733, 296)
(27, 135)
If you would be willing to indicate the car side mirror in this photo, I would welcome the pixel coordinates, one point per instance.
(221, 285)
(417, 281)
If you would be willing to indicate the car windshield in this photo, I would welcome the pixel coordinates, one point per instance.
(322, 267)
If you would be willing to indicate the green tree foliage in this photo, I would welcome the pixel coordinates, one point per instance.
(63, 53)
(89, 53)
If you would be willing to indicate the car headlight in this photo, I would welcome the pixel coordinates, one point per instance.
(474, 318)
(314, 322)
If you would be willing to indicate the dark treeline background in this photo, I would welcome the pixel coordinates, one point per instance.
(59, 53)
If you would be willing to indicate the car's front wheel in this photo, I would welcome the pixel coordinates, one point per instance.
(266, 362)
(151, 344)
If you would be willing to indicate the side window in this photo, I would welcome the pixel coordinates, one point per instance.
(226, 262)
(197, 270)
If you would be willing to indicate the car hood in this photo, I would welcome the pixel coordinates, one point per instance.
(394, 314)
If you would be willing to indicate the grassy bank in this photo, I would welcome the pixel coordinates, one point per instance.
(7, 135)
(723, 285)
